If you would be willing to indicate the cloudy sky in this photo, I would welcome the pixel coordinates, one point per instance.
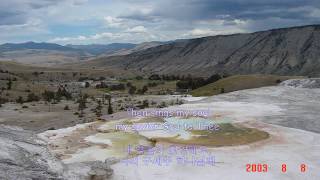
(106, 21)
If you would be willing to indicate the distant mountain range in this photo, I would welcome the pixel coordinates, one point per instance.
(286, 51)
(32, 45)
(50, 54)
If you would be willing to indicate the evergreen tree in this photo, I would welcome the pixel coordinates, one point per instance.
(144, 89)
(82, 104)
(98, 109)
(110, 110)
(9, 84)
(132, 90)
(20, 100)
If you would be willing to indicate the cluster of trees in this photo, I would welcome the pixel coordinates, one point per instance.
(3, 71)
(9, 83)
(85, 78)
(113, 87)
(165, 77)
(133, 90)
(99, 107)
(196, 82)
(54, 97)
(144, 104)
(36, 74)
(30, 98)
(152, 84)
(117, 87)
(143, 90)
(48, 96)
(62, 92)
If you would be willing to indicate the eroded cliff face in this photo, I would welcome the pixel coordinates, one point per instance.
(289, 51)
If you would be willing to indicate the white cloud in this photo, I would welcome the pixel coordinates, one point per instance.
(315, 13)
(105, 36)
(141, 20)
(135, 35)
(211, 32)
(31, 28)
(113, 21)
(137, 29)
(201, 32)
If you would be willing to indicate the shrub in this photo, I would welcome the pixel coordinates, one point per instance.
(32, 97)
(152, 84)
(139, 77)
(117, 87)
(129, 84)
(66, 108)
(162, 105)
(154, 77)
(145, 103)
(20, 100)
(132, 90)
(83, 79)
(9, 84)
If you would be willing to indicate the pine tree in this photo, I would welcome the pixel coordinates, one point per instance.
(144, 89)
(82, 104)
(98, 109)
(132, 90)
(110, 110)
(9, 84)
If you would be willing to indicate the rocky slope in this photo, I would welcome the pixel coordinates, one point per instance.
(288, 51)
(311, 83)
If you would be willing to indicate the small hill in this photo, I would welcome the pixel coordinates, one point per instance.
(239, 82)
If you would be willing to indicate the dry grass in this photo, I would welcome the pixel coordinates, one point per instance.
(239, 82)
